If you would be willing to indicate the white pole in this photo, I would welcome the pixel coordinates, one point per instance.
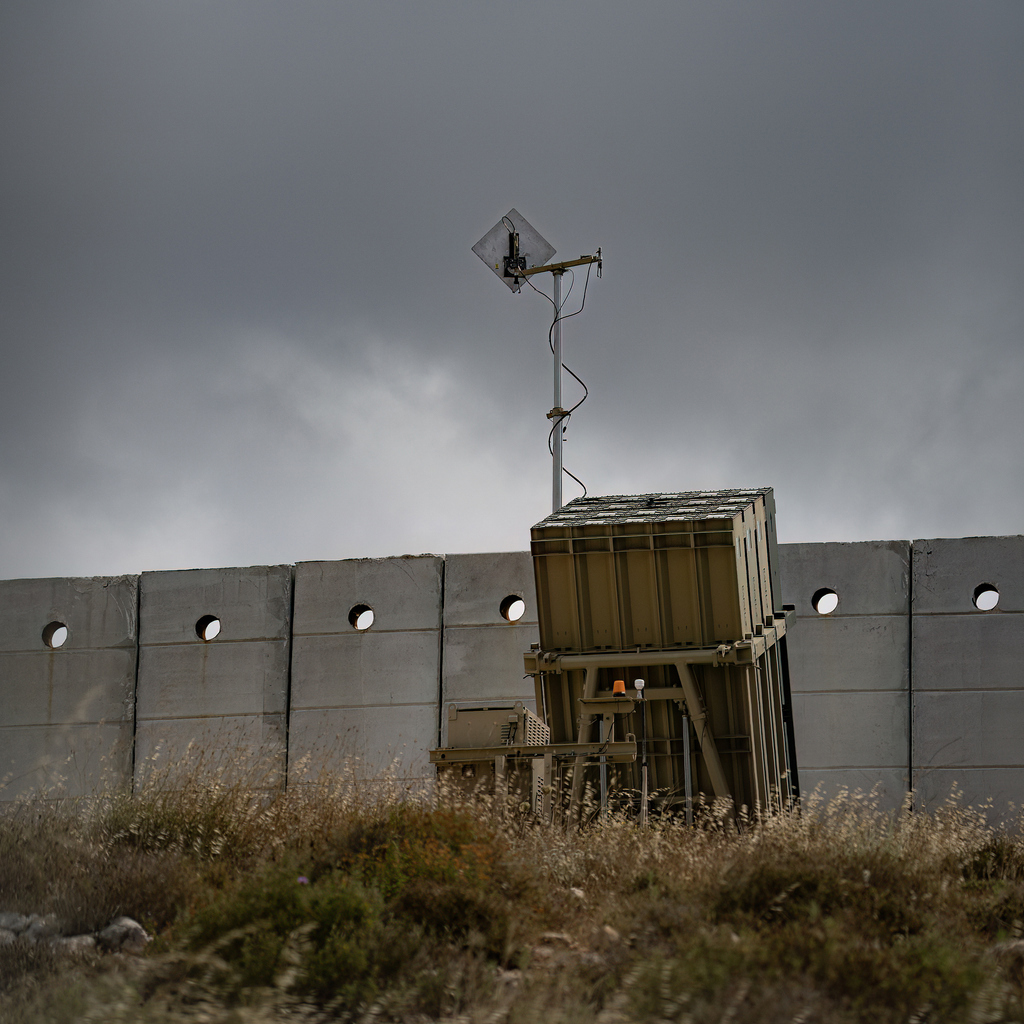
(639, 685)
(556, 437)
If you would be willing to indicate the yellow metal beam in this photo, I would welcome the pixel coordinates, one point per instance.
(699, 717)
(555, 268)
(613, 705)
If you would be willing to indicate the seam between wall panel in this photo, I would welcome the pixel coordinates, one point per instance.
(910, 675)
(218, 642)
(33, 651)
(440, 654)
(353, 632)
(848, 689)
(356, 707)
(288, 683)
(968, 690)
(67, 726)
(135, 688)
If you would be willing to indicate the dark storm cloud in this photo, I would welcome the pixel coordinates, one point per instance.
(241, 321)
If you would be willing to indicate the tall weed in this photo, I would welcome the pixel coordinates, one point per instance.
(338, 900)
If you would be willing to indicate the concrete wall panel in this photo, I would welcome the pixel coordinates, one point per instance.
(983, 650)
(100, 612)
(252, 603)
(482, 663)
(850, 730)
(850, 669)
(968, 671)
(404, 593)
(884, 788)
(947, 571)
(195, 690)
(483, 651)
(365, 742)
(66, 713)
(200, 680)
(475, 585)
(364, 669)
(67, 686)
(862, 652)
(367, 694)
(1003, 788)
(73, 759)
(974, 728)
(870, 577)
(224, 744)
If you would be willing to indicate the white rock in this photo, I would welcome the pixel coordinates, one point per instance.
(124, 934)
(41, 928)
(16, 923)
(76, 943)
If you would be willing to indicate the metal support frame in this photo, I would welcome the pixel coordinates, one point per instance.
(559, 268)
(687, 690)
(605, 709)
(687, 773)
(700, 722)
(742, 652)
(620, 752)
(586, 720)
(605, 750)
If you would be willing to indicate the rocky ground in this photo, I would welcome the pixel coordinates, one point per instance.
(122, 935)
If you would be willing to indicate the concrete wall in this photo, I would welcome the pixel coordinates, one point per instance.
(968, 725)
(366, 699)
(483, 651)
(850, 669)
(67, 714)
(906, 682)
(226, 696)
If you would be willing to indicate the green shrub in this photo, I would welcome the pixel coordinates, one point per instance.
(338, 920)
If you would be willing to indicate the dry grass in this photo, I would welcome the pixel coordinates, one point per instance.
(341, 901)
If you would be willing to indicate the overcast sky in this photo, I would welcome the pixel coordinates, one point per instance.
(242, 324)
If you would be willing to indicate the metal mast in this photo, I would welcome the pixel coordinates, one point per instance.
(557, 413)
(515, 251)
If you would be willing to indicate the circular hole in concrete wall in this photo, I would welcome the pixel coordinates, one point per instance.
(986, 597)
(361, 617)
(513, 608)
(825, 601)
(208, 627)
(55, 635)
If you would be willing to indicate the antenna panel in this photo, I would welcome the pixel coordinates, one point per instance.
(493, 247)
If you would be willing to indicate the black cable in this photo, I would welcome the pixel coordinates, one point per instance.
(586, 285)
(543, 295)
(577, 479)
(567, 316)
(563, 421)
(572, 281)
